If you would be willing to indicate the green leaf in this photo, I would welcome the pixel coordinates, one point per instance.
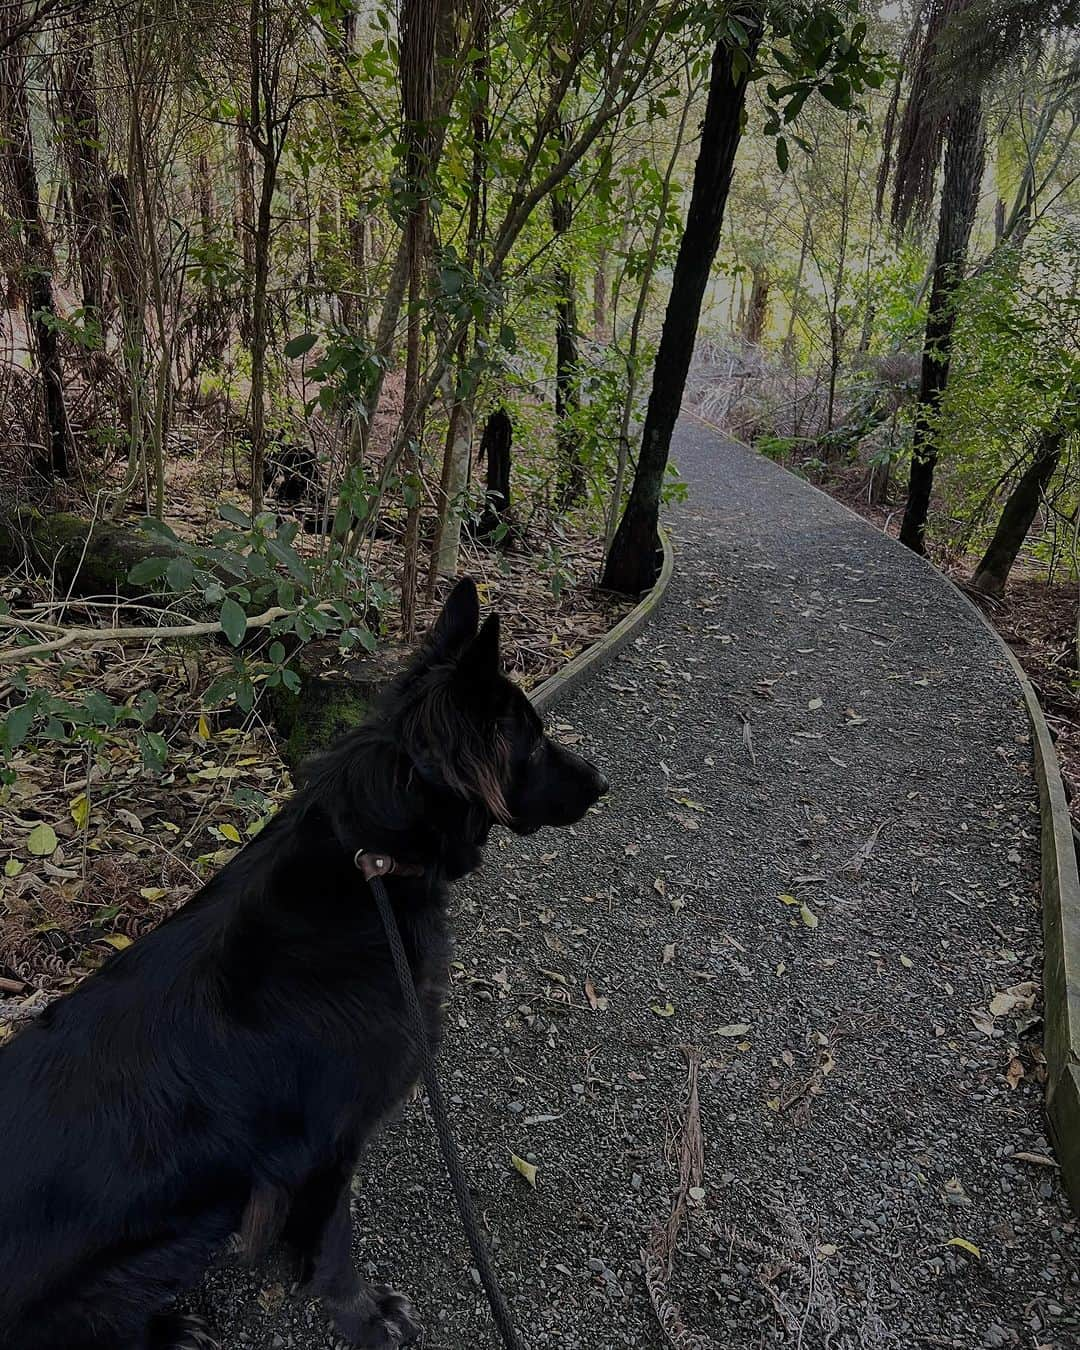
(42, 841)
(18, 723)
(180, 573)
(525, 1169)
(233, 621)
(300, 346)
(234, 515)
(781, 154)
(149, 569)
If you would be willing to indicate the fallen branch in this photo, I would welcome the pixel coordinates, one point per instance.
(72, 637)
(658, 1257)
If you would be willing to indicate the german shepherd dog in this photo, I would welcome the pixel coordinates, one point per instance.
(222, 1074)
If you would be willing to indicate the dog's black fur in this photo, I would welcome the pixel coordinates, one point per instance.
(223, 1073)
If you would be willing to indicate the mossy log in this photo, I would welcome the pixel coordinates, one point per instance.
(83, 557)
(334, 697)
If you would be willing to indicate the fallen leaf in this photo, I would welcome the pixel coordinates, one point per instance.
(669, 954)
(696, 1193)
(735, 1029)
(42, 842)
(525, 1169)
(13, 867)
(204, 728)
(659, 886)
(827, 1249)
(118, 940)
(1014, 1072)
(964, 1245)
(231, 833)
(80, 810)
(668, 1009)
(906, 961)
(815, 704)
(152, 893)
(596, 1001)
(808, 916)
(786, 899)
(1036, 1159)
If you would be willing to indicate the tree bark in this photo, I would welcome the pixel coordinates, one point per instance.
(86, 165)
(964, 160)
(1021, 508)
(571, 476)
(632, 562)
(419, 27)
(37, 259)
(601, 327)
(495, 447)
(757, 310)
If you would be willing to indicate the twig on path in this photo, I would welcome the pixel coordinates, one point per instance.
(659, 1256)
(748, 736)
(854, 864)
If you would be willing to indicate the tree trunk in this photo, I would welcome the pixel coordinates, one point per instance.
(495, 447)
(244, 223)
(455, 475)
(86, 166)
(419, 27)
(25, 208)
(632, 563)
(571, 477)
(964, 159)
(796, 294)
(259, 334)
(601, 329)
(1019, 511)
(757, 311)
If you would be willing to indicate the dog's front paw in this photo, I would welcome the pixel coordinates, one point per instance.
(380, 1320)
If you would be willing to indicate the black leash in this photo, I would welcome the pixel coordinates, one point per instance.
(374, 867)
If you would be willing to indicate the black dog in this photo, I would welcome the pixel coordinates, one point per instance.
(224, 1072)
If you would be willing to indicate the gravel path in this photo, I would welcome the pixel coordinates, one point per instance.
(815, 718)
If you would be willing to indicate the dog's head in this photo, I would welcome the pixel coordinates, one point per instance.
(472, 731)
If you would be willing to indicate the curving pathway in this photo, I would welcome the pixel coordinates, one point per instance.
(814, 715)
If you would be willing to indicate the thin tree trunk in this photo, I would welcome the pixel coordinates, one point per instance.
(267, 129)
(601, 329)
(37, 259)
(757, 311)
(419, 27)
(1021, 508)
(244, 223)
(571, 476)
(632, 562)
(86, 167)
(796, 294)
(457, 452)
(259, 335)
(964, 159)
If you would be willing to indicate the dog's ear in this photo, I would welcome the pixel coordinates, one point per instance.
(480, 660)
(457, 623)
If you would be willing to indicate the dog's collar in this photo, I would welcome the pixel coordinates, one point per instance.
(374, 864)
